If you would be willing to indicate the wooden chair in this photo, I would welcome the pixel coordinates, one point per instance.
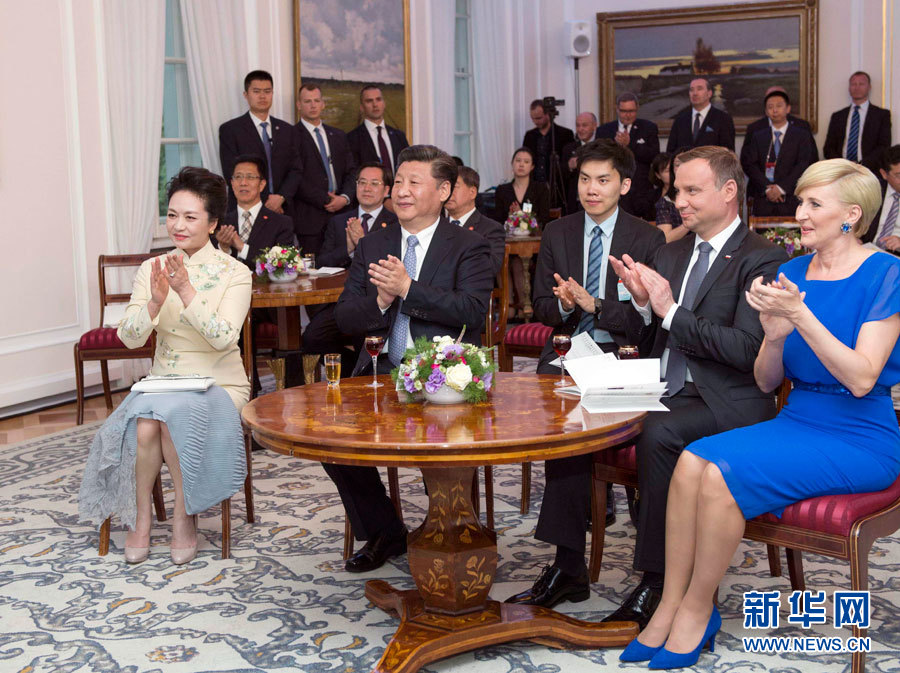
(619, 466)
(102, 343)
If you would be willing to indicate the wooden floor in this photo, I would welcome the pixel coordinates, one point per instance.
(54, 419)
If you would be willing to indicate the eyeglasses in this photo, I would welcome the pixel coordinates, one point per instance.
(243, 176)
(366, 183)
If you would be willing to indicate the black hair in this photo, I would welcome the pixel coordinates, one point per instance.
(523, 149)
(470, 177)
(459, 161)
(443, 168)
(254, 159)
(782, 94)
(891, 158)
(864, 74)
(385, 171)
(205, 185)
(606, 149)
(256, 75)
(367, 87)
(537, 102)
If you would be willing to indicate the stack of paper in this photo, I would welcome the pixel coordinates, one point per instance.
(607, 384)
(582, 347)
(173, 384)
(326, 271)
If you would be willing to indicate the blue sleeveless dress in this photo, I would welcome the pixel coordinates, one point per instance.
(824, 441)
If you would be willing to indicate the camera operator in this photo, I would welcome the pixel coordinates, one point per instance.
(543, 144)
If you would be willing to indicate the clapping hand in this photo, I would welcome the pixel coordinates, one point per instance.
(658, 288)
(626, 269)
(159, 287)
(390, 277)
(227, 235)
(514, 207)
(354, 233)
(779, 304)
(563, 293)
(623, 138)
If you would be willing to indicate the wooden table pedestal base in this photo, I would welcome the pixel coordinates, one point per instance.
(424, 637)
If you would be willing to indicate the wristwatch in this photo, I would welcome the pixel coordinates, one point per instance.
(598, 306)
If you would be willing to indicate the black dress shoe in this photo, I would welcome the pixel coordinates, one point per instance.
(553, 587)
(376, 551)
(638, 607)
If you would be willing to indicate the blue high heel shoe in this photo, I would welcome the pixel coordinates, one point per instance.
(636, 651)
(664, 659)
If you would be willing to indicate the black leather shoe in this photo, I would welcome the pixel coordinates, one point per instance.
(610, 505)
(638, 607)
(376, 551)
(553, 587)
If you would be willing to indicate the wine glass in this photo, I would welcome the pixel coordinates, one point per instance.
(374, 344)
(561, 344)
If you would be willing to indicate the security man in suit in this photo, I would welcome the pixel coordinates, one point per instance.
(374, 140)
(585, 130)
(421, 278)
(641, 136)
(763, 122)
(461, 211)
(701, 123)
(862, 136)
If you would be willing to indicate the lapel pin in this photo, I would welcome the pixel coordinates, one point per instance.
(727, 256)
(471, 228)
(265, 217)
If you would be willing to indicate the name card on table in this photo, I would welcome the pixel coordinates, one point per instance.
(608, 385)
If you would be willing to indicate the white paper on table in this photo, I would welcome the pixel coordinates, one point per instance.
(326, 271)
(582, 347)
(617, 385)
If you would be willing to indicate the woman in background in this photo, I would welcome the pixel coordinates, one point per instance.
(662, 176)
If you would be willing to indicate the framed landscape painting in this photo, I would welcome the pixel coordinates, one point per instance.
(342, 45)
(741, 49)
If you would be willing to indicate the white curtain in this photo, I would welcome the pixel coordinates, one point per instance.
(134, 43)
(215, 42)
(432, 41)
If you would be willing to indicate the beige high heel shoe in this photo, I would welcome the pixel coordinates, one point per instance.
(185, 554)
(136, 554)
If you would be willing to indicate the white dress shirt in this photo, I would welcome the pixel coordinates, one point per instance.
(783, 130)
(424, 237)
(360, 211)
(463, 218)
(373, 133)
(627, 129)
(607, 228)
(312, 132)
(257, 122)
(863, 109)
(254, 213)
(703, 113)
(717, 242)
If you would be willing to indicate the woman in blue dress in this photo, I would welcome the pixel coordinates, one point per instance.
(831, 325)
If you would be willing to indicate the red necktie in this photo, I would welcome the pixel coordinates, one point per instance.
(383, 151)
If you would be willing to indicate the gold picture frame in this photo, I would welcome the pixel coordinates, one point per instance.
(342, 94)
(767, 43)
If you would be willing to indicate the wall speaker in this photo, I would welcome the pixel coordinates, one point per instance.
(579, 40)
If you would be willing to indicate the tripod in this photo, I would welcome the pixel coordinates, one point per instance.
(557, 186)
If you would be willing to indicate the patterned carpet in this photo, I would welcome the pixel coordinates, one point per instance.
(283, 602)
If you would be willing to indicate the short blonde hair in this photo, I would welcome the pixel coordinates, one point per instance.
(855, 185)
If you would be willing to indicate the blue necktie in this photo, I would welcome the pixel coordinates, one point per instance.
(853, 140)
(397, 345)
(676, 366)
(324, 154)
(887, 229)
(777, 143)
(592, 284)
(267, 146)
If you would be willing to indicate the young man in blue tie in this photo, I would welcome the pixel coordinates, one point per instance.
(860, 132)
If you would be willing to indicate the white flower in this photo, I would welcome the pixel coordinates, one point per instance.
(438, 356)
(274, 251)
(459, 376)
(523, 225)
(418, 385)
(443, 341)
(484, 362)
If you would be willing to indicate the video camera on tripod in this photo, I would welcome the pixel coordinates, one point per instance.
(551, 106)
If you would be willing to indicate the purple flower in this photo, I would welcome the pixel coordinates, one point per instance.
(487, 379)
(453, 350)
(259, 269)
(269, 267)
(789, 248)
(410, 384)
(435, 381)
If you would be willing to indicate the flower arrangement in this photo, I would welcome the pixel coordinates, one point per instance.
(787, 238)
(521, 223)
(465, 368)
(279, 262)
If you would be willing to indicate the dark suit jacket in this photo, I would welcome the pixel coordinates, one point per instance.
(310, 216)
(763, 123)
(452, 290)
(794, 158)
(720, 335)
(334, 249)
(538, 194)
(239, 136)
(493, 232)
(644, 145)
(562, 251)
(270, 228)
(872, 231)
(364, 149)
(876, 136)
(562, 136)
(717, 129)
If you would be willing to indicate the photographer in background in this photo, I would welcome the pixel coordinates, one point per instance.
(545, 140)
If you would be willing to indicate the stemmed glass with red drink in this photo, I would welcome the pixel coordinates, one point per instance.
(561, 344)
(374, 344)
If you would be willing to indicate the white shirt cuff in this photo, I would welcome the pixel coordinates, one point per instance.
(645, 311)
(244, 252)
(670, 316)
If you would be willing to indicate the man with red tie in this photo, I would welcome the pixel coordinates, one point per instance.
(373, 140)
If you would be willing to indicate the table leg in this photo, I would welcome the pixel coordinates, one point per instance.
(277, 367)
(453, 559)
(527, 309)
(310, 365)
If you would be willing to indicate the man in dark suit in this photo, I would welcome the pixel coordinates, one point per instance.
(329, 168)
(422, 277)
(373, 140)
(641, 136)
(763, 122)
(699, 324)
(885, 228)
(461, 211)
(541, 143)
(343, 234)
(251, 226)
(575, 291)
(259, 133)
(774, 158)
(862, 136)
(701, 123)
(585, 128)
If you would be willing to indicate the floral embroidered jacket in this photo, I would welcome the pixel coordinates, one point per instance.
(201, 338)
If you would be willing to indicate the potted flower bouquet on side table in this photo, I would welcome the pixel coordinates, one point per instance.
(281, 264)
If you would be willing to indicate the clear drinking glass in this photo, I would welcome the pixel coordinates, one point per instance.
(333, 368)
(309, 261)
(374, 344)
(561, 344)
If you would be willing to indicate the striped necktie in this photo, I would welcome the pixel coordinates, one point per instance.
(267, 146)
(323, 153)
(397, 344)
(777, 144)
(592, 284)
(245, 227)
(887, 229)
(853, 139)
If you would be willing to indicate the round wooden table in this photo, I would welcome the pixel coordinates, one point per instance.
(452, 557)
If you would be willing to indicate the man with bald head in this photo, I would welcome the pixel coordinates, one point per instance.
(701, 123)
(585, 127)
(641, 136)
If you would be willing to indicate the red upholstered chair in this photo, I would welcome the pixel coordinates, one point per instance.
(102, 343)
